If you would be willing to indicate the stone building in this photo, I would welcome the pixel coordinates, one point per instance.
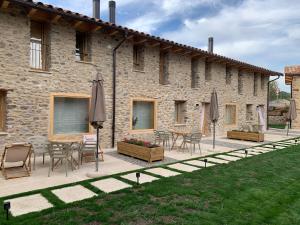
(292, 78)
(48, 56)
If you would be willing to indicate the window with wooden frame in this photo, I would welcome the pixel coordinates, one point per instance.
(143, 114)
(240, 83)
(249, 112)
(255, 84)
(195, 73)
(208, 70)
(228, 74)
(164, 68)
(138, 57)
(39, 46)
(180, 112)
(83, 49)
(230, 114)
(69, 114)
(2, 111)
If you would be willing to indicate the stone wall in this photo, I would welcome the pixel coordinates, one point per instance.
(296, 96)
(28, 96)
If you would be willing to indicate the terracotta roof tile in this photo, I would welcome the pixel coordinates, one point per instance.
(292, 70)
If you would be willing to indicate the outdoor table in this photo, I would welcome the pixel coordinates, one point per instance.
(176, 134)
(71, 142)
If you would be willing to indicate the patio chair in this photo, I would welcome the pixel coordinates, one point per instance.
(157, 137)
(61, 152)
(14, 159)
(192, 139)
(88, 148)
(39, 147)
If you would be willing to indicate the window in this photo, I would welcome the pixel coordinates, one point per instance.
(180, 112)
(70, 113)
(255, 84)
(143, 115)
(228, 74)
(138, 57)
(230, 114)
(262, 82)
(208, 68)
(83, 47)
(164, 68)
(195, 73)
(2, 110)
(39, 48)
(249, 112)
(240, 83)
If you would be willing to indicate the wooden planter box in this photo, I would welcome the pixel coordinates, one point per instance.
(140, 152)
(245, 136)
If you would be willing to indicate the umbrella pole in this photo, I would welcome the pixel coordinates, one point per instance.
(97, 156)
(288, 125)
(214, 138)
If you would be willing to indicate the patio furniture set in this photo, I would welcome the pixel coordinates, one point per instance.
(16, 158)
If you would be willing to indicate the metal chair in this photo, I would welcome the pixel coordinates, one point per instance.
(62, 153)
(39, 147)
(88, 148)
(157, 137)
(192, 139)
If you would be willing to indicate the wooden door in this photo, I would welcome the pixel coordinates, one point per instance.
(206, 123)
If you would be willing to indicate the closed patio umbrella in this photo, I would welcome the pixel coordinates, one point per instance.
(214, 113)
(291, 115)
(97, 110)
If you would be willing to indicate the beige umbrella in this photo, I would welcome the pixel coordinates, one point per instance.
(214, 113)
(291, 115)
(97, 110)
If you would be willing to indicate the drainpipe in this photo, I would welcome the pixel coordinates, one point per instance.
(114, 70)
(268, 99)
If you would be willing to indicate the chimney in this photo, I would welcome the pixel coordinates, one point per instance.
(112, 12)
(210, 44)
(96, 9)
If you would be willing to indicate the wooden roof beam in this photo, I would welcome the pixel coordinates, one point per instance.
(178, 50)
(155, 44)
(32, 12)
(113, 32)
(4, 4)
(131, 36)
(140, 41)
(55, 19)
(77, 24)
(166, 47)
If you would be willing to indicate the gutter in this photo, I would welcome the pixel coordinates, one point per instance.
(114, 71)
(268, 98)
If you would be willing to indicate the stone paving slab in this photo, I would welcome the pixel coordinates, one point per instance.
(144, 178)
(260, 150)
(183, 167)
(263, 149)
(73, 193)
(110, 185)
(162, 172)
(276, 146)
(199, 163)
(250, 152)
(241, 155)
(28, 204)
(215, 160)
(227, 157)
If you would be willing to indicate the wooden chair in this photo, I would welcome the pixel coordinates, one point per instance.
(39, 147)
(192, 139)
(14, 159)
(88, 148)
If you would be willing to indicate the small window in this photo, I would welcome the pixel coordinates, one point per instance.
(230, 114)
(143, 115)
(228, 74)
(83, 47)
(208, 68)
(262, 82)
(164, 68)
(195, 73)
(240, 83)
(70, 115)
(138, 57)
(249, 112)
(39, 48)
(255, 84)
(2, 111)
(180, 112)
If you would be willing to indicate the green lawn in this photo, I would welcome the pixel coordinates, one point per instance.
(264, 189)
(277, 126)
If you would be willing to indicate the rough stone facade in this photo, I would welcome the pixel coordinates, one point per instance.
(28, 91)
(296, 96)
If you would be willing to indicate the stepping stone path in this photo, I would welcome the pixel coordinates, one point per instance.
(144, 178)
(276, 146)
(110, 185)
(250, 152)
(263, 149)
(73, 193)
(28, 204)
(215, 160)
(241, 155)
(227, 157)
(199, 163)
(162, 172)
(183, 167)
